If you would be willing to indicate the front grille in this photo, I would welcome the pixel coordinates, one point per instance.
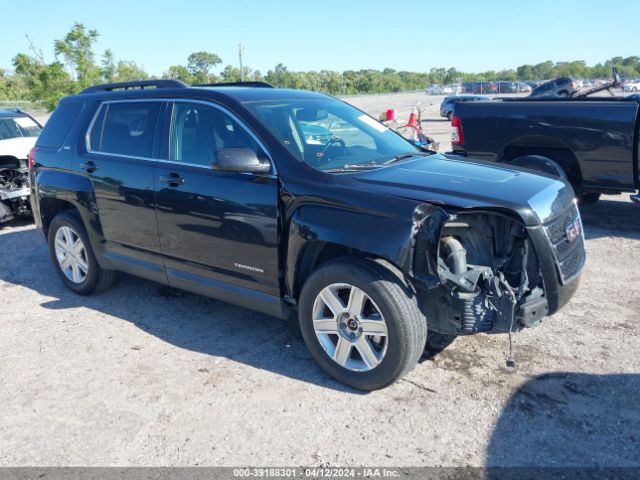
(570, 256)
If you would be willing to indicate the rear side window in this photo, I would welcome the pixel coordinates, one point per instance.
(60, 123)
(125, 128)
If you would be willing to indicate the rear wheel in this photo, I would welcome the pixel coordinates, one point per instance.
(73, 257)
(361, 323)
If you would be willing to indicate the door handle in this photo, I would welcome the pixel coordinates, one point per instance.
(89, 167)
(173, 179)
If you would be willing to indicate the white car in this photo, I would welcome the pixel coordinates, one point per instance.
(435, 90)
(18, 134)
(632, 86)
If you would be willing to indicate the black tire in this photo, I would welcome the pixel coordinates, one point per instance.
(97, 278)
(406, 325)
(540, 163)
(586, 198)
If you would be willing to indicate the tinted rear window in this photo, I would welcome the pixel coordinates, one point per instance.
(60, 123)
(125, 128)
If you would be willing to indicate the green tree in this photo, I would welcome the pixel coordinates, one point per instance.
(179, 72)
(77, 50)
(525, 72)
(45, 83)
(199, 65)
(108, 66)
(128, 71)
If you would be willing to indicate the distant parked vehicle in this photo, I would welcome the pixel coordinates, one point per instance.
(631, 85)
(480, 87)
(507, 87)
(523, 87)
(446, 108)
(560, 87)
(435, 90)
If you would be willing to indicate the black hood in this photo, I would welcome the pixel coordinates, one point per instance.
(472, 184)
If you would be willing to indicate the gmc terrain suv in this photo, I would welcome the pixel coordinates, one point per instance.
(368, 239)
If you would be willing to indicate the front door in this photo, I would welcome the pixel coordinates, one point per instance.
(218, 230)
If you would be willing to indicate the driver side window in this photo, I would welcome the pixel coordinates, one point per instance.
(198, 131)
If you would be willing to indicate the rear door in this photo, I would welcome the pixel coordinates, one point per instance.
(120, 161)
(218, 230)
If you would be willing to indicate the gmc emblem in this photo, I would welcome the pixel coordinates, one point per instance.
(573, 230)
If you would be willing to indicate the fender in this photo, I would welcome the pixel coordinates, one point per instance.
(392, 238)
(74, 189)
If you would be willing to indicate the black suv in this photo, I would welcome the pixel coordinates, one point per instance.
(368, 239)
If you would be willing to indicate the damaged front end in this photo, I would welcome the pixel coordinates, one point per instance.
(478, 272)
(14, 188)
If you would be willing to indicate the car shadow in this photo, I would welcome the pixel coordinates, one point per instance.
(611, 218)
(16, 223)
(184, 320)
(570, 420)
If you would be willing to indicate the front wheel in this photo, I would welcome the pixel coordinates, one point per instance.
(361, 323)
(73, 257)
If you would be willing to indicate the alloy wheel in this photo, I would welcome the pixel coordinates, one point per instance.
(71, 254)
(350, 327)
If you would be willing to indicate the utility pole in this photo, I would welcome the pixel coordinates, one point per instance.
(240, 53)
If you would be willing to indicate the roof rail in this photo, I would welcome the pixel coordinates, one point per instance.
(236, 84)
(140, 84)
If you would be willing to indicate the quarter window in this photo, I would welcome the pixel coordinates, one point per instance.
(125, 128)
(198, 131)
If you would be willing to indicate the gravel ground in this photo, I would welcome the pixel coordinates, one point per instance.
(138, 375)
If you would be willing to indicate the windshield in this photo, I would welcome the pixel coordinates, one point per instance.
(13, 127)
(328, 134)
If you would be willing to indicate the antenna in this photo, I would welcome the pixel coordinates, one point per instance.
(240, 53)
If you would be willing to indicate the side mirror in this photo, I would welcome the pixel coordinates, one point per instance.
(240, 160)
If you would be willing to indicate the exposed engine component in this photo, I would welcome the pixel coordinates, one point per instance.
(490, 281)
(14, 189)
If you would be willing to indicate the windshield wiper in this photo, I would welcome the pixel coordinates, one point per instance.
(404, 156)
(354, 166)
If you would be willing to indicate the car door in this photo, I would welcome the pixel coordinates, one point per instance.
(119, 160)
(218, 230)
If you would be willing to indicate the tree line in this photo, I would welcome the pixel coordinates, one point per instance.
(76, 67)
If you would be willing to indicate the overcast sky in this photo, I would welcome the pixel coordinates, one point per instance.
(334, 35)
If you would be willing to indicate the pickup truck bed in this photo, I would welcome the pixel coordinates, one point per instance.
(594, 140)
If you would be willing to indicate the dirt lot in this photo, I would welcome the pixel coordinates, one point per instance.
(138, 376)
